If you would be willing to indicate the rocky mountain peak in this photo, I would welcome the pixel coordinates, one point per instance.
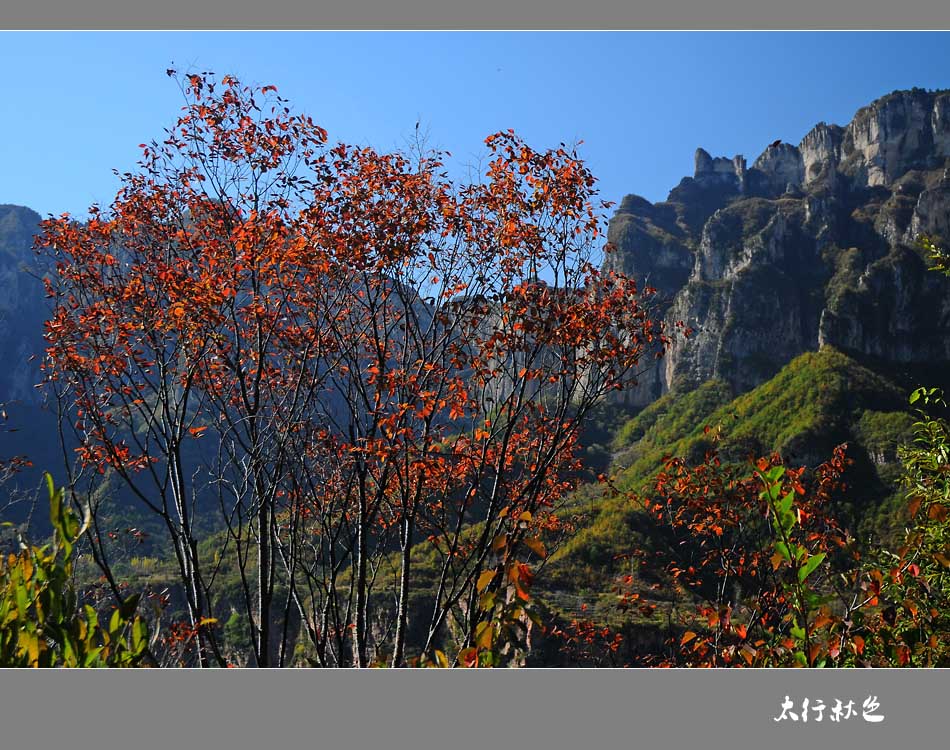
(812, 245)
(17, 226)
(22, 306)
(901, 131)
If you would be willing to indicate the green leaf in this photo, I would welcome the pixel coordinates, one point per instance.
(128, 607)
(813, 600)
(91, 615)
(115, 622)
(484, 634)
(798, 633)
(139, 635)
(69, 653)
(813, 562)
(51, 488)
(92, 657)
(22, 600)
(784, 514)
(64, 521)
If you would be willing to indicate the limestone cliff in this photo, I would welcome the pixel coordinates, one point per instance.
(22, 306)
(27, 427)
(811, 245)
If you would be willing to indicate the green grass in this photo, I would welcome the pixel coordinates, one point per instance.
(818, 400)
(813, 403)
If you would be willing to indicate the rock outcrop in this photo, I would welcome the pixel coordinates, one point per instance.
(812, 245)
(27, 427)
(22, 306)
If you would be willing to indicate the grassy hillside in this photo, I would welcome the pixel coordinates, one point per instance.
(817, 401)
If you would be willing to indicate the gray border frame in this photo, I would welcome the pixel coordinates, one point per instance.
(381, 709)
(675, 709)
(485, 14)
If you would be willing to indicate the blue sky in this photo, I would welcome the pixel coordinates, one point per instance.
(75, 105)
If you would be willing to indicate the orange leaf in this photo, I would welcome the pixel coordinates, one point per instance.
(469, 657)
(536, 546)
(938, 513)
(914, 505)
(903, 655)
(748, 653)
(776, 560)
(822, 620)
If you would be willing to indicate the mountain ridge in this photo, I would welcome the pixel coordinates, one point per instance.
(813, 245)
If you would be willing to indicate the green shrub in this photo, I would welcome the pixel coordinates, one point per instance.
(41, 621)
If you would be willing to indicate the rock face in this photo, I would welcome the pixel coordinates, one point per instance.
(27, 427)
(22, 308)
(812, 245)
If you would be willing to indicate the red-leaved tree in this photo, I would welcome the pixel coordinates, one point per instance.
(346, 365)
